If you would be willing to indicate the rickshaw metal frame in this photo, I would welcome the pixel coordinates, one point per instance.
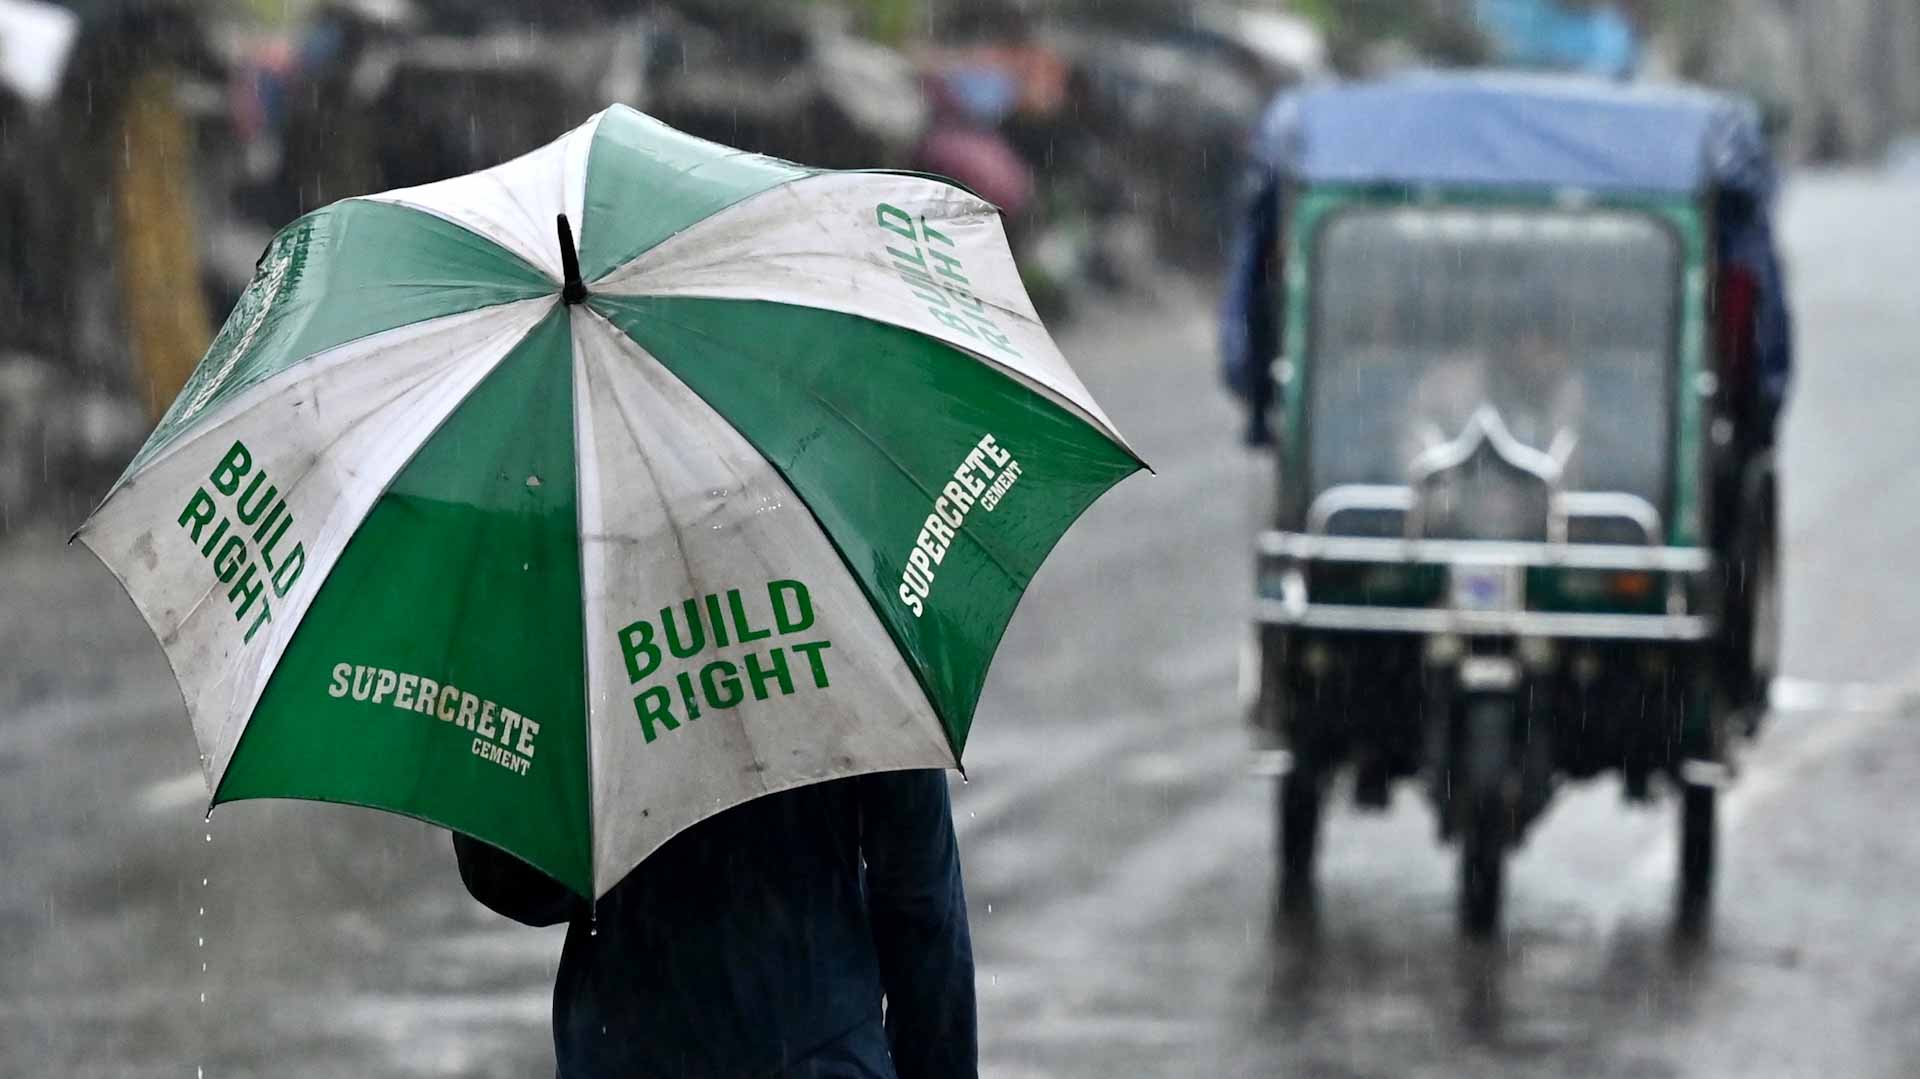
(1680, 552)
(1491, 668)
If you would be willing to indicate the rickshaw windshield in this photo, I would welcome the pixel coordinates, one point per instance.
(1431, 321)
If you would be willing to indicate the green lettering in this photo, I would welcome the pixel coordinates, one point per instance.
(935, 234)
(895, 220)
(214, 540)
(259, 507)
(777, 672)
(812, 650)
(227, 562)
(655, 704)
(246, 590)
(688, 699)
(636, 641)
(226, 476)
(715, 620)
(265, 616)
(696, 631)
(742, 631)
(198, 510)
(289, 570)
(726, 692)
(801, 616)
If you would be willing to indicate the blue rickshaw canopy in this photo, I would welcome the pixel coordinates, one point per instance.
(1511, 129)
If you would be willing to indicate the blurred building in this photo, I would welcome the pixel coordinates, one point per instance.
(1845, 73)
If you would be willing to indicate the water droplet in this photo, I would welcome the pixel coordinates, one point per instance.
(203, 882)
(203, 912)
(203, 942)
(989, 908)
(209, 819)
(203, 968)
(203, 998)
(209, 837)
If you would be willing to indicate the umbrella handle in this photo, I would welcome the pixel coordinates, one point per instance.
(574, 290)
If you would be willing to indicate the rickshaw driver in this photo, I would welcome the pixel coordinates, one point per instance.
(1538, 393)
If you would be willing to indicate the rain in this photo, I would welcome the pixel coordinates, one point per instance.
(1414, 711)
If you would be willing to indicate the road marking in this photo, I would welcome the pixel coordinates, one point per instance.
(1853, 711)
(1806, 695)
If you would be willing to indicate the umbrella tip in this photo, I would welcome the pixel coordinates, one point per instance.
(574, 290)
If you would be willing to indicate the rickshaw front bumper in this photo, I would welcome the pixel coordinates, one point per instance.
(1343, 670)
(1499, 610)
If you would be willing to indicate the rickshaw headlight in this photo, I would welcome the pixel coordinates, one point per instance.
(1537, 653)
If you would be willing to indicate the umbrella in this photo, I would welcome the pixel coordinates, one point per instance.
(569, 548)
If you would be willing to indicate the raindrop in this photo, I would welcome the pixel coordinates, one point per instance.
(209, 837)
(203, 942)
(989, 908)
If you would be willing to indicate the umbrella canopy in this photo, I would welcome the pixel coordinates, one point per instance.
(570, 550)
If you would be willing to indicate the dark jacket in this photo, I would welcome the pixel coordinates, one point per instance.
(761, 942)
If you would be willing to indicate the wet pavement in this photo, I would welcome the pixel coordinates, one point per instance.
(1117, 844)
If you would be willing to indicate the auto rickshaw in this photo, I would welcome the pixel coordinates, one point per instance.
(1519, 343)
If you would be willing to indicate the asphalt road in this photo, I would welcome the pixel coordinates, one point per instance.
(1117, 846)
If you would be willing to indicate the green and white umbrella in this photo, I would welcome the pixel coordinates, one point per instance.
(568, 552)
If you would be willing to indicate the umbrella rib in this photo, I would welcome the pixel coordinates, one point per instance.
(627, 421)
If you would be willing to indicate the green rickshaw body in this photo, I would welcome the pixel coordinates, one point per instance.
(1500, 551)
(1557, 586)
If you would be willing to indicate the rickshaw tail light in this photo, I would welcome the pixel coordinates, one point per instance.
(1631, 584)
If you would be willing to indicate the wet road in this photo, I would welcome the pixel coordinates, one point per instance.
(1116, 844)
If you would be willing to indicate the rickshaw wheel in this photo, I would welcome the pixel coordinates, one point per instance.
(1486, 815)
(1764, 633)
(1483, 863)
(1697, 843)
(1298, 798)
